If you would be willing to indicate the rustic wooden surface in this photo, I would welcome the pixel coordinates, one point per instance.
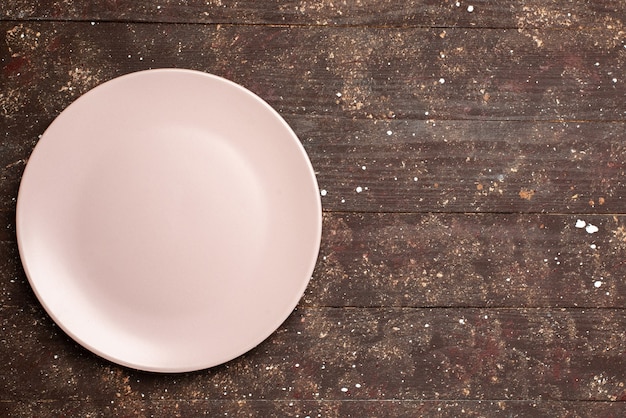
(459, 146)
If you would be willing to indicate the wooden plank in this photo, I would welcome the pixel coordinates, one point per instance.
(442, 166)
(126, 407)
(349, 355)
(370, 260)
(476, 13)
(412, 260)
(363, 73)
(466, 166)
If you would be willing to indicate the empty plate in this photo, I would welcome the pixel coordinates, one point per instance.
(169, 220)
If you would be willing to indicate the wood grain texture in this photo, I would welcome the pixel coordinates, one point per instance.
(370, 260)
(477, 13)
(314, 409)
(338, 354)
(353, 72)
(466, 166)
(461, 155)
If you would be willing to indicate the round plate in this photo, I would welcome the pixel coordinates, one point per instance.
(169, 220)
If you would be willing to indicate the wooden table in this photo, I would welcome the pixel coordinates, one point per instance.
(472, 160)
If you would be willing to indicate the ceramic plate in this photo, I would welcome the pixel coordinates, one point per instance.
(169, 220)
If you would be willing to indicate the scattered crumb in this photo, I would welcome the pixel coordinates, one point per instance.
(526, 194)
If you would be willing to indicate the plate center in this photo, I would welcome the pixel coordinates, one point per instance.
(156, 220)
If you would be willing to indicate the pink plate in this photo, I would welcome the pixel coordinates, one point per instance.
(169, 220)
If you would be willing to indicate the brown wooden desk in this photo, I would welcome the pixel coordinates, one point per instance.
(458, 145)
